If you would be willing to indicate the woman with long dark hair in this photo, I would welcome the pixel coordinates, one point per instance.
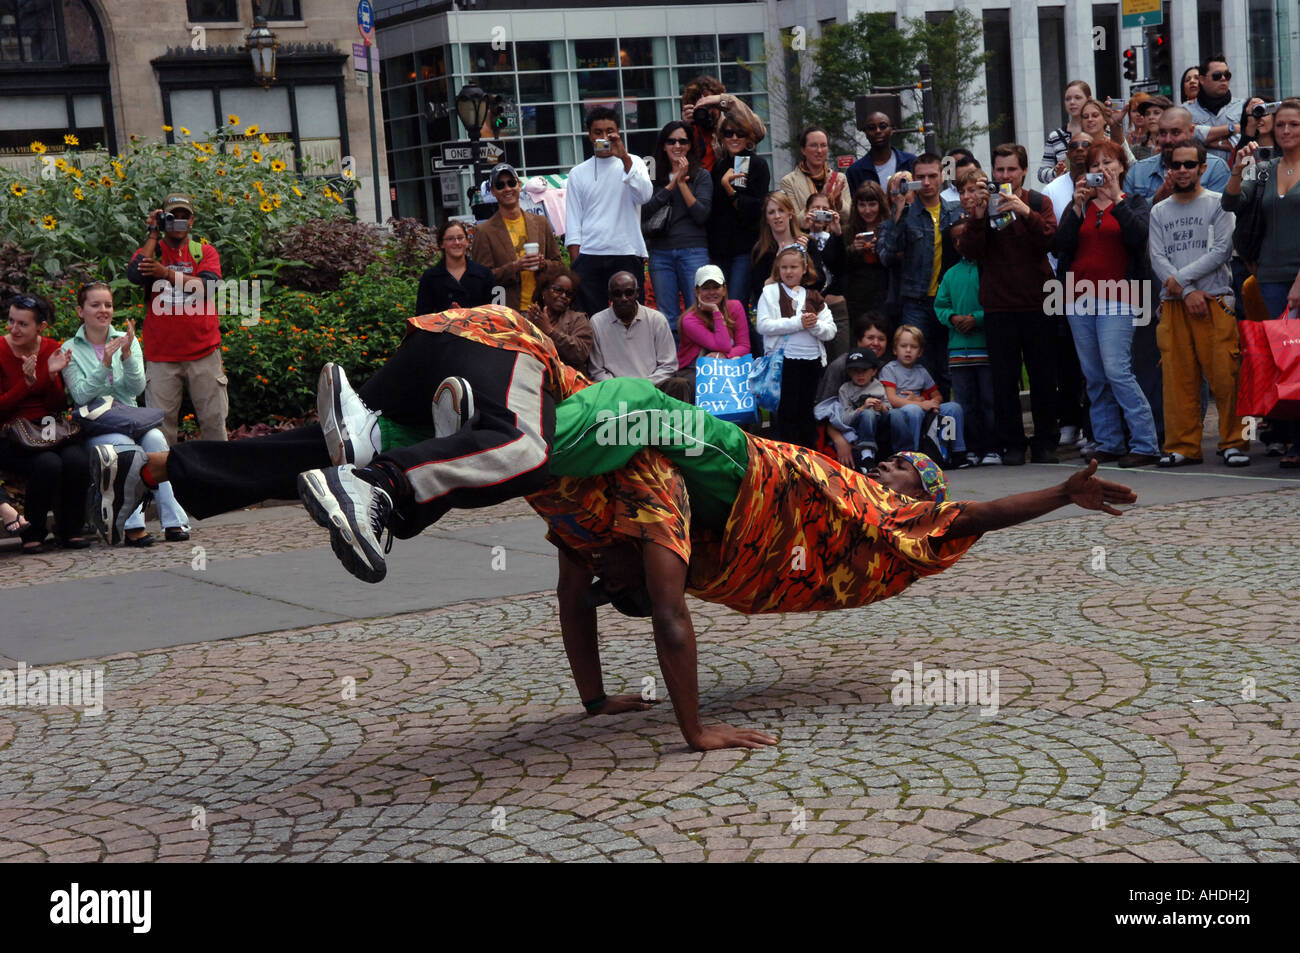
(738, 195)
(866, 279)
(680, 247)
(1190, 84)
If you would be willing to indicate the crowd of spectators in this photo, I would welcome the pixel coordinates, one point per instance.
(909, 294)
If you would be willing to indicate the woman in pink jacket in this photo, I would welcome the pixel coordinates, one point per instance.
(702, 335)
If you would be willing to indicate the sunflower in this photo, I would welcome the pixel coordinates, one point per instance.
(277, 165)
(266, 140)
(232, 119)
(200, 158)
(276, 200)
(337, 198)
(38, 148)
(17, 190)
(74, 172)
(61, 164)
(237, 151)
(70, 140)
(256, 157)
(167, 128)
(49, 222)
(347, 173)
(78, 194)
(105, 181)
(184, 131)
(266, 205)
(221, 171)
(251, 130)
(296, 191)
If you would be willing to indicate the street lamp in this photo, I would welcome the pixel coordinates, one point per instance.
(262, 46)
(472, 107)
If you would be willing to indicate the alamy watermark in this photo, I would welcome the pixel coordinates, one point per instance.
(651, 427)
(231, 296)
(53, 687)
(946, 686)
(1087, 297)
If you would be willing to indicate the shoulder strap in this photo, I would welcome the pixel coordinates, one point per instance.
(1035, 200)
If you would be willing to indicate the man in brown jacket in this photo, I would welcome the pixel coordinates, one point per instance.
(500, 242)
(1013, 268)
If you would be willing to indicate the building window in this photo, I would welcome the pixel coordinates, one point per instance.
(28, 32)
(997, 75)
(280, 9)
(212, 11)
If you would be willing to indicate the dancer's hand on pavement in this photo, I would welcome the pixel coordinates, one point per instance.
(1085, 489)
(724, 736)
(617, 704)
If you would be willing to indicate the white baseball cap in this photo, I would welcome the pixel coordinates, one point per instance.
(709, 273)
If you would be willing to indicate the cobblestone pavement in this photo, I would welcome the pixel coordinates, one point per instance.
(1148, 709)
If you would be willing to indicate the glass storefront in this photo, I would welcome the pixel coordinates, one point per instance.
(552, 83)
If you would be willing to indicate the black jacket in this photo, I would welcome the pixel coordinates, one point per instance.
(1132, 213)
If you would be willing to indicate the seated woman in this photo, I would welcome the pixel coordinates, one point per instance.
(106, 362)
(552, 313)
(702, 334)
(31, 387)
(456, 281)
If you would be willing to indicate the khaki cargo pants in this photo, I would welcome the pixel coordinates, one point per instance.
(206, 381)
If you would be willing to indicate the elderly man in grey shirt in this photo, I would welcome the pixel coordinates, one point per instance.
(631, 340)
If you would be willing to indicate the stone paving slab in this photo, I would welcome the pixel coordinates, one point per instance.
(1148, 710)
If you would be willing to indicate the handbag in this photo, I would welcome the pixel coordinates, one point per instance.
(656, 226)
(765, 379)
(1269, 382)
(1248, 235)
(105, 415)
(34, 436)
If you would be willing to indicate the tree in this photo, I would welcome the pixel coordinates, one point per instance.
(821, 82)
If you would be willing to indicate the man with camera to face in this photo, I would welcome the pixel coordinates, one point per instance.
(182, 333)
(1012, 293)
(914, 238)
(602, 208)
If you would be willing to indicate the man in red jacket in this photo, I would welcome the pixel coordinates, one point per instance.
(182, 333)
(1013, 267)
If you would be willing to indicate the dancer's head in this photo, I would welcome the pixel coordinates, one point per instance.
(912, 474)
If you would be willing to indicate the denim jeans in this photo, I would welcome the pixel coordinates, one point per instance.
(1274, 294)
(1105, 346)
(672, 272)
(972, 388)
(920, 312)
(865, 424)
(736, 271)
(905, 424)
(169, 511)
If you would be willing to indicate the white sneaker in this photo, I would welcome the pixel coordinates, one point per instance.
(453, 406)
(356, 513)
(347, 422)
(116, 489)
(991, 459)
(1069, 435)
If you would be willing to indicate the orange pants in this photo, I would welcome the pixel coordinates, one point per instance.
(1190, 347)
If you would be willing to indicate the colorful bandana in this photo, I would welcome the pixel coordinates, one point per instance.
(932, 477)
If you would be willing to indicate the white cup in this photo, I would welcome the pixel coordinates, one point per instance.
(532, 248)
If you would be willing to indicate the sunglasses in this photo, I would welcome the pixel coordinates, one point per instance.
(25, 302)
(732, 134)
(1076, 146)
(1220, 77)
(507, 183)
(625, 293)
(678, 142)
(1186, 164)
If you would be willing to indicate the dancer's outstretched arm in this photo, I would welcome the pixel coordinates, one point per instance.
(1083, 488)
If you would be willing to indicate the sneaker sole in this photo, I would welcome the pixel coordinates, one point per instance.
(462, 404)
(357, 558)
(329, 408)
(105, 479)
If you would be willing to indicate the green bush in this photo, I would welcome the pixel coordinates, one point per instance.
(81, 208)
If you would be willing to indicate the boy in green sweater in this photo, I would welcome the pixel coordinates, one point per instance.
(957, 305)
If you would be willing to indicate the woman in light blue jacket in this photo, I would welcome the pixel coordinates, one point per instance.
(105, 362)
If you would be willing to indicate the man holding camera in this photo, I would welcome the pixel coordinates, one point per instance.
(914, 238)
(603, 211)
(182, 333)
(1013, 256)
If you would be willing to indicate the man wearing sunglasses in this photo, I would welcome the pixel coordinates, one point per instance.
(502, 242)
(1214, 111)
(1190, 244)
(882, 160)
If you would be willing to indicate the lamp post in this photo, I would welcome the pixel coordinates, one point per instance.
(262, 46)
(472, 107)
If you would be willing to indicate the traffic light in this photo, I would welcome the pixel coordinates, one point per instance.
(1159, 46)
(1131, 64)
(499, 118)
